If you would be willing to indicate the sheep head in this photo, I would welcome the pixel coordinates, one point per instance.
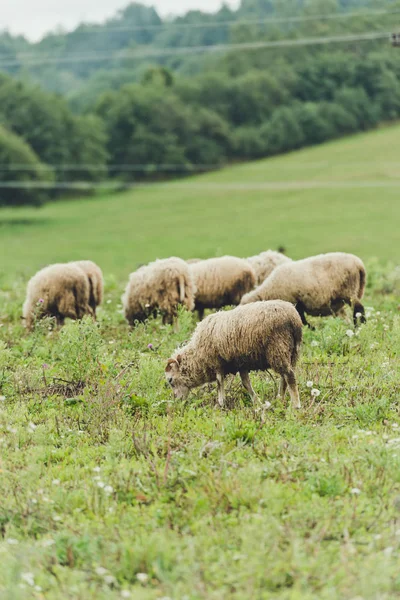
(176, 378)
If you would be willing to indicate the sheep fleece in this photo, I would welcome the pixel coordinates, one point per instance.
(64, 290)
(318, 282)
(255, 337)
(161, 285)
(222, 281)
(264, 263)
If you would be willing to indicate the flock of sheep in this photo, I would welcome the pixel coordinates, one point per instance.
(264, 332)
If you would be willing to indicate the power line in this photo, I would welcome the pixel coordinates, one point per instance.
(231, 22)
(168, 167)
(205, 186)
(161, 52)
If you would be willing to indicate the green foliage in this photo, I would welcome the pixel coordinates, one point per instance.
(14, 151)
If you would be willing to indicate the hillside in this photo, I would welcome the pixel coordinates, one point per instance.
(342, 195)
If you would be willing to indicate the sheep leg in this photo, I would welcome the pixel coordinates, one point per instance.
(301, 310)
(290, 378)
(221, 390)
(244, 375)
(358, 308)
(282, 388)
(200, 313)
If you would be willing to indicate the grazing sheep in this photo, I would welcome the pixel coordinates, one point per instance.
(60, 291)
(221, 282)
(96, 282)
(264, 263)
(159, 286)
(319, 286)
(257, 337)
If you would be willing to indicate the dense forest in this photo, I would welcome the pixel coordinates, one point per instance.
(139, 97)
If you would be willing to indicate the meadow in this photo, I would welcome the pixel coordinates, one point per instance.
(110, 489)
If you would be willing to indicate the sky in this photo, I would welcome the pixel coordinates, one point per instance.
(34, 18)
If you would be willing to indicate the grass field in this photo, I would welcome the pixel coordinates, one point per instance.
(111, 490)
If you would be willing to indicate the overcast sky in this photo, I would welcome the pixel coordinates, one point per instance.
(34, 18)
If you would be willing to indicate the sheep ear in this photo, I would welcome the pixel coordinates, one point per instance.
(171, 361)
(179, 359)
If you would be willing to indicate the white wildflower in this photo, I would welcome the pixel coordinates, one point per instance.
(101, 571)
(358, 315)
(109, 579)
(350, 333)
(12, 541)
(125, 594)
(56, 518)
(315, 393)
(2, 398)
(388, 551)
(28, 578)
(355, 491)
(142, 577)
(314, 343)
(56, 482)
(38, 588)
(108, 489)
(97, 469)
(100, 484)
(109, 301)
(378, 313)
(386, 327)
(309, 384)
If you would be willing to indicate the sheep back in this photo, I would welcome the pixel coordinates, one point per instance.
(59, 290)
(159, 286)
(96, 281)
(222, 281)
(321, 283)
(265, 262)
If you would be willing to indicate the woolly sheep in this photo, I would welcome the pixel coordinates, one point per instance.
(264, 263)
(61, 291)
(257, 337)
(320, 285)
(221, 282)
(96, 282)
(159, 286)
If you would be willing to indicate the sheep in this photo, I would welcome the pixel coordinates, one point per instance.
(256, 337)
(96, 282)
(159, 286)
(320, 285)
(264, 263)
(221, 282)
(60, 291)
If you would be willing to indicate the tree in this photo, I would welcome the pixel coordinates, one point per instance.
(23, 178)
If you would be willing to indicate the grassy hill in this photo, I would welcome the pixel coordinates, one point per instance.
(343, 195)
(110, 490)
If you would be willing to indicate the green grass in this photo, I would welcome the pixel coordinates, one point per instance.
(109, 489)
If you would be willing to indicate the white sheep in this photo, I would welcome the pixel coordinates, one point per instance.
(319, 286)
(256, 337)
(161, 286)
(221, 282)
(264, 263)
(60, 291)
